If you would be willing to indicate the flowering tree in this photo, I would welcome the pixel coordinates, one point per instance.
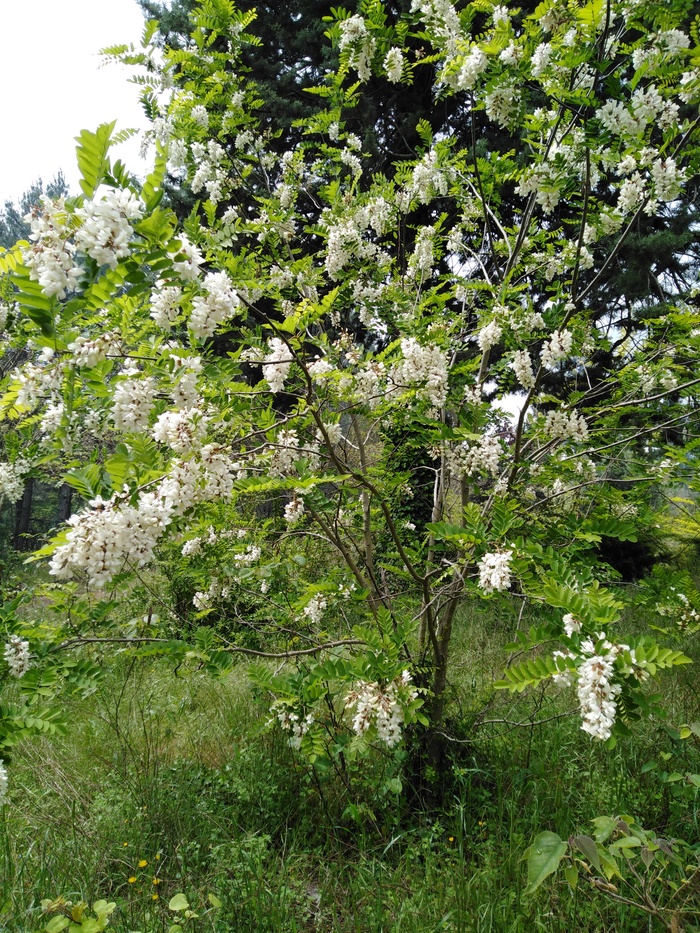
(180, 373)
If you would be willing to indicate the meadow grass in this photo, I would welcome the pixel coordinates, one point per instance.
(179, 771)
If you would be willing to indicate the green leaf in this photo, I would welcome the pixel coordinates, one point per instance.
(178, 902)
(571, 874)
(214, 900)
(56, 924)
(588, 848)
(92, 151)
(544, 856)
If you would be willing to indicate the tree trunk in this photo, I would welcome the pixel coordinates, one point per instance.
(23, 514)
(65, 501)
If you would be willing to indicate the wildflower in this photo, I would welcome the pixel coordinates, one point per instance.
(495, 571)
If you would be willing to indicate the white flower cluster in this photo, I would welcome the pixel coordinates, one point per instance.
(205, 599)
(3, 783)
(502, 103)
(251, 554)
(294, 511)
(211, 169)
(292, 722)
(420, 263)
(381, 707)
(474, 64)
(315, 608)
(216, 306)
(285, 453)
(443, 20)
(11, 480)
(489, 335)
(467, 459)
(522, 367)
(428, 179)
(393, 64)
(564, 424)
(186, 370)
(596, 691)
(187, 267)
(16, 656)
(360, 46)
(50, 258)
(109, 535)
(180, 430)
(425, 366)
(132, 400)
(105, 231)
(165, 304)
(557, 348)
(495, 571)
(276, 364)
(89, 351)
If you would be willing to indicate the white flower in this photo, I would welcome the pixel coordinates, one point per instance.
(17, 657)
(489, 335)
(382, 707)
(219, 304)
(597, 695)
(3, 783)
(495, 572)
(276, 364)
(105, 231)
(393, 64)
(571, 625)
(180, 430)
(50, 258)
(562, 424)
(466, 458)
(522, 367)
(425, 366)
(315, 608)
(200, 116)
(294, 511)
(557, 348)
(12, 480)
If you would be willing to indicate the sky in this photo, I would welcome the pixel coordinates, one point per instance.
(52, 86)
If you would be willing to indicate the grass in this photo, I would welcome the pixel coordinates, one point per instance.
(180, 772)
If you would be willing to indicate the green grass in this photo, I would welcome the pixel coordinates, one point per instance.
(178, 770)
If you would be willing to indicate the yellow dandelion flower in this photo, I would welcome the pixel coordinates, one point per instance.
(143, 863)
(154, 897)
(157, 856)
(132, 879)
(156, 881)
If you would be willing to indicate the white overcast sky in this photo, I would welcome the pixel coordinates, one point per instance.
(52, 86)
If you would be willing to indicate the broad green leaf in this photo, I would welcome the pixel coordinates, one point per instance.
(178, 902)
(544, 856)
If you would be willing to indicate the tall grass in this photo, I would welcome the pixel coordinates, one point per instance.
(180, 772)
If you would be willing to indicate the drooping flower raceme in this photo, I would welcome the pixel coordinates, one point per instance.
(219, 303)
(16, 655)
(50, 259)
(11, 480)
(425, 366)
(106, 231)
(276, 364)
(382, 707)
(495, 571)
